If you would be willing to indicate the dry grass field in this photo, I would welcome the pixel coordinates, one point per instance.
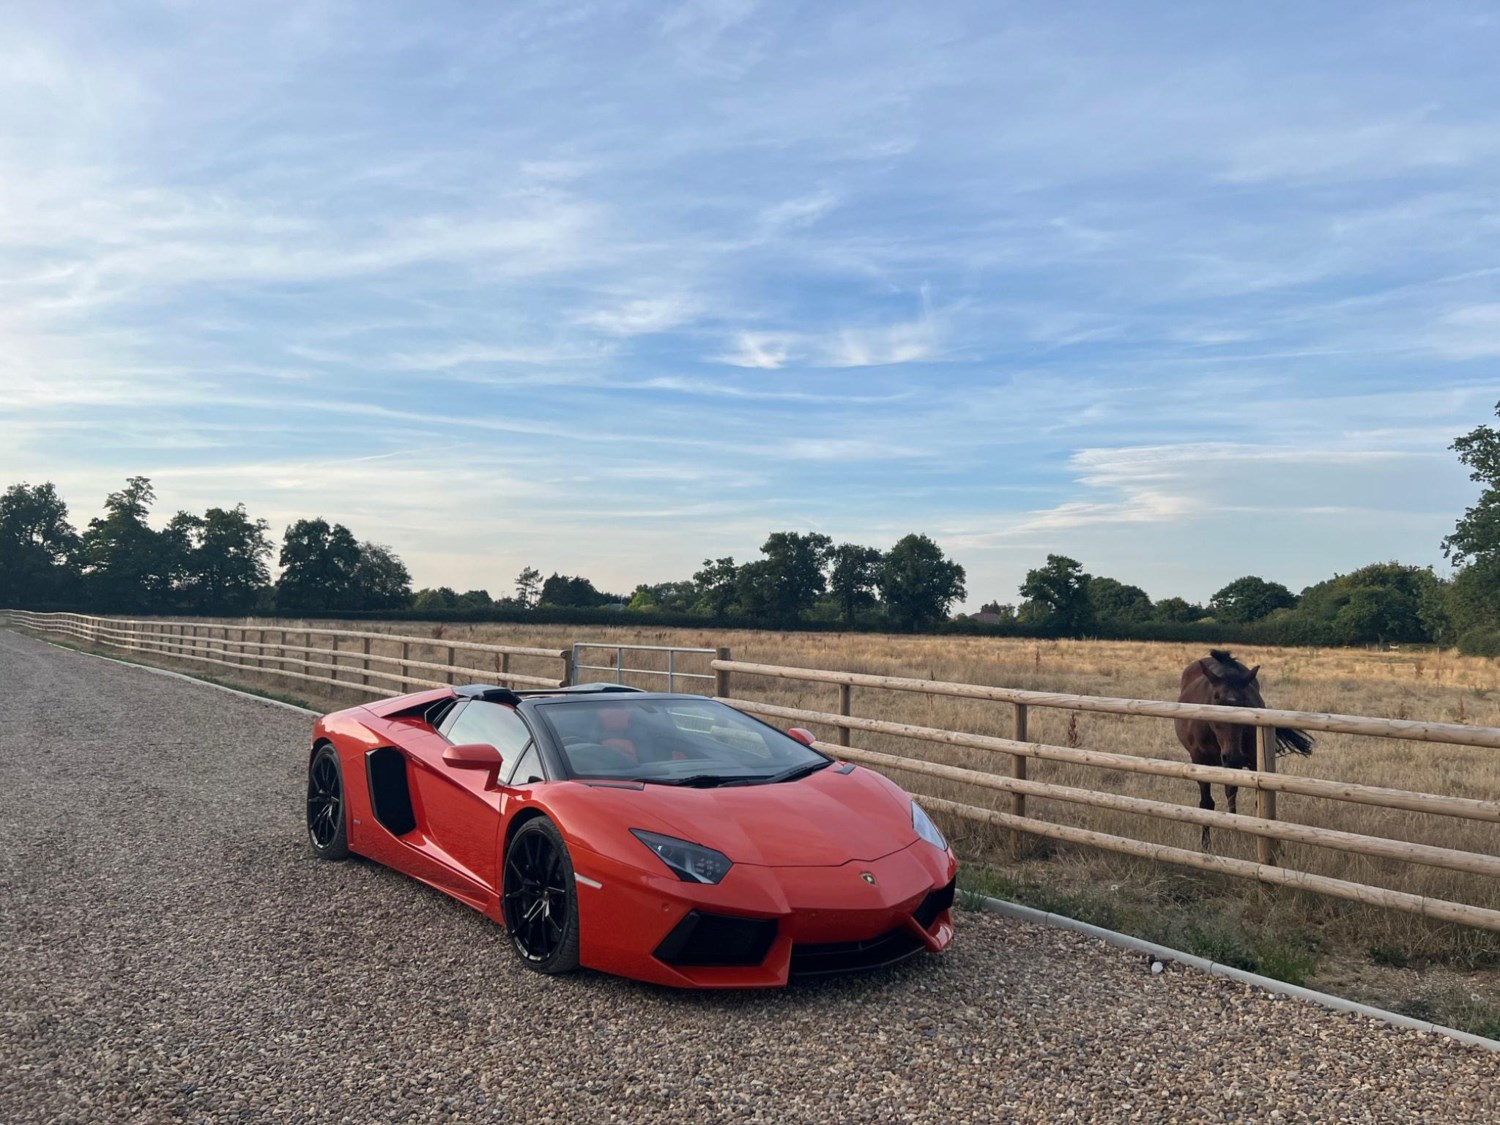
(1361, 949)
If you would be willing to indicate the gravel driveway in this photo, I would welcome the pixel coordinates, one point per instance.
(170, 952)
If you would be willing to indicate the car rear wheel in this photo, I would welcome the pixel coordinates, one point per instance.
(327, 834)
(540, 905)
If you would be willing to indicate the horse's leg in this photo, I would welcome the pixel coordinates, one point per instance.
(1230, 792)
(1205, 801)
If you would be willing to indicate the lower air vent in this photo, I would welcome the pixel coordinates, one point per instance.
(933, 905)
(852, 956)
(717, 939)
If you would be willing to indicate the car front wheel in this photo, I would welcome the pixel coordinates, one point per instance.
(540, 904)
(327, 834)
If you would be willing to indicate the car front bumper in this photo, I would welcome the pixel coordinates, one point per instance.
(767, 923)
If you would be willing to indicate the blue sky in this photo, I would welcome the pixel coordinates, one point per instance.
(1183, 291)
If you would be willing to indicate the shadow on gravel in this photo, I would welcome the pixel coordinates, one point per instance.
(380, 881)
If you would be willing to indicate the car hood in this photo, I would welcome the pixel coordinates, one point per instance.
(823, 820)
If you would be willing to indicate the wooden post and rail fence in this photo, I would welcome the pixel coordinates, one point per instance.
(276, 651)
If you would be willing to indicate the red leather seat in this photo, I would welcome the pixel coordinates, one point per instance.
(614, 725)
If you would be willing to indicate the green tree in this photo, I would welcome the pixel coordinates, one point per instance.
(1249, 599)
(1474, 598)
(38, 547)
(429, 600)
(853, 578)
(380, 579)
(219, 560)
(1379, 602)
(671, 597)
(1118, 604)
(1434, 610)
(918, 582)
(1477, 534)
(718, 586)
(318, 563)
(129, 565)
(475, 600)
(1472, 602)
(528, 587)
(755, 590)
(565, 590)
(1060, 592)
(794, 575)
(1177, 611)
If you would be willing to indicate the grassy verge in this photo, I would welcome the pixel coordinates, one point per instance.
(1447, 975)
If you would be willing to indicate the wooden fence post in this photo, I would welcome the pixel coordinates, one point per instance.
(1267, 851)
(334, 660)
(721, 677)
(504, 668)
(1018, 770)
(405, 655)
(846, 699)
(452, 671)
(364, 676)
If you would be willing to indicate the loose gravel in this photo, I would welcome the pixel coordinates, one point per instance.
(170, 952)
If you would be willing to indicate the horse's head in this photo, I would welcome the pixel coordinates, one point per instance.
(1231, 686)
(1234, 685)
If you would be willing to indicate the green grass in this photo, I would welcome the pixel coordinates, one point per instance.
(1183, 914)
(1281, 934)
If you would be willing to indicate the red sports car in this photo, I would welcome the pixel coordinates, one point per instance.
(670, 838)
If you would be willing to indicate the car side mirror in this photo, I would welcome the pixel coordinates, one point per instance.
(802, 735)
(475, 756)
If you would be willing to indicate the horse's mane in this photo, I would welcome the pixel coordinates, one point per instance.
(1225, 661)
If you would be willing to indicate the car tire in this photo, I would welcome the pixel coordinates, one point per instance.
(327, 812)
(540, 898)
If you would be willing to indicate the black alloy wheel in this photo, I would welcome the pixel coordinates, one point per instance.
(541, 912)
(326, 831)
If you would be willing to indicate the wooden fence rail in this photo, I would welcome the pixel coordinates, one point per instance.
(291, 651)
(232, 648)
(1468, 807)
(1456, 734)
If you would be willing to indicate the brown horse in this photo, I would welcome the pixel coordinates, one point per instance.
(1221, 679)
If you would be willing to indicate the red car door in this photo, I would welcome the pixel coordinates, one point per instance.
(460, 813)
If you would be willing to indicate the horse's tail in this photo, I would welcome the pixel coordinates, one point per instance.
(1291, 741)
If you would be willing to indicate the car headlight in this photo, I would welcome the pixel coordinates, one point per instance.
(925, 828)
(692, 863)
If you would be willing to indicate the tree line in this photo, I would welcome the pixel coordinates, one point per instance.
(1380, 603)
(800, 579)
(218, 563)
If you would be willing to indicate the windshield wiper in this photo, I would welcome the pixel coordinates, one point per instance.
(719, 781)
(799, 771)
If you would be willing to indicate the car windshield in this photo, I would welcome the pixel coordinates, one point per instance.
(694, 742)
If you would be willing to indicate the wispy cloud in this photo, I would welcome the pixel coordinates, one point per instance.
(1472, 332)
(641, 316)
